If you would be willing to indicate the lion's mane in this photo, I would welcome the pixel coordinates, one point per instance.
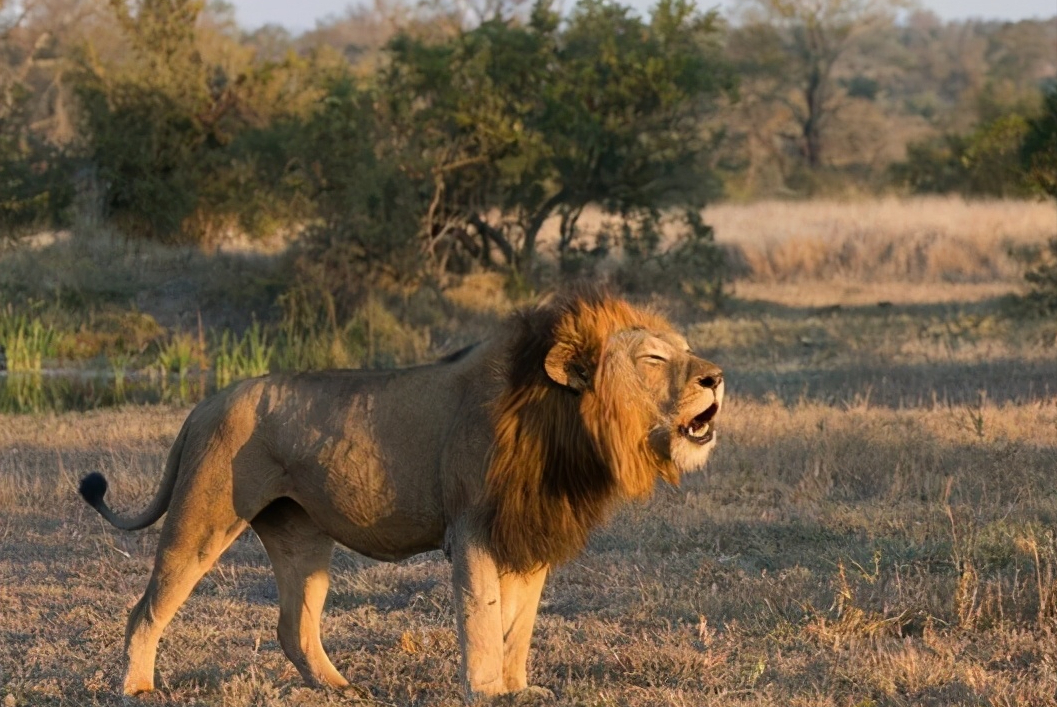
(563, 457)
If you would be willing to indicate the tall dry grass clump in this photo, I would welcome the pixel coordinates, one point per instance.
(920, 239)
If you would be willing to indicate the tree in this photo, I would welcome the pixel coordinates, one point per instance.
(463, 109)
(985, 162)
(36, 122)
(790, 52)
(367, 209)
(179, 128)
(626, 123)
(531, 119)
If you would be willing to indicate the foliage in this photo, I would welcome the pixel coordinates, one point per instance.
(446, 149)
(406, 143)
(992, 157)
(986, 162)
(933, 166)
(1039, 158)
(535, 119)
(1042, 281)
(850, 84)
(367, 207)
(1039, 148)
(142, 119)
(464, 108)
(35, 188)
(791, 54)
(247, 356)
(176, 137)
(692, 270)
(27, 341)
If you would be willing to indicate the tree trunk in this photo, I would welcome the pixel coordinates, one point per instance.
(490, 233)
(814, 96)
(532, 229)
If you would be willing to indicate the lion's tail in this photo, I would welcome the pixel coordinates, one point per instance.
(93, 487)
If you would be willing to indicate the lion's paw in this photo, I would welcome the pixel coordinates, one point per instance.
(535, 695)
(529, 697)
(357, 692)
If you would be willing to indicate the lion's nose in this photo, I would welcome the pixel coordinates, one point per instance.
(711, 379)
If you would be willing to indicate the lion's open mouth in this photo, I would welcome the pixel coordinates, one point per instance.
(701, 429)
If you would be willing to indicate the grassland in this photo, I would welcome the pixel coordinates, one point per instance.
(877, 527)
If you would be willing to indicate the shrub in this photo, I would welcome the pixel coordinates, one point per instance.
(188, 146)
(1039, 151)
(986, 162)
(35, 185)
(1042, 281)
(540, 118)
(693, 270)
(368, 214)
(1039, 156)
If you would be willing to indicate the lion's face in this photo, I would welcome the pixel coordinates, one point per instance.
(651, 387)
(685, 392)
(621, 401)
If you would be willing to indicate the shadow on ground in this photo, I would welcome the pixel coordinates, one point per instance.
(900, 386)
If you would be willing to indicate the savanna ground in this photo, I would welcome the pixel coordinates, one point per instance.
(877, 526)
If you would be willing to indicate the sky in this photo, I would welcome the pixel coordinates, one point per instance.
(302, 14)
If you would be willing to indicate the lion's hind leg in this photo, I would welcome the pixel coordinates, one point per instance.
(186, 551)
(300, 554)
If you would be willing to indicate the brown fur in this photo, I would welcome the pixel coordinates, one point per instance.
(507, 454)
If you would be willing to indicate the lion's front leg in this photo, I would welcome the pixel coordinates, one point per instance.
(519, 598)
(478, 615)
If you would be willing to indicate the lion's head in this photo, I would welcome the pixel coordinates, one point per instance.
(601, 399)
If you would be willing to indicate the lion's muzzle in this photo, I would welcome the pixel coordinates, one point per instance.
(700, 429)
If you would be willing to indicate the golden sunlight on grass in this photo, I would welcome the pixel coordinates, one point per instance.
(866, 534)
(925, 239)
(876, 527)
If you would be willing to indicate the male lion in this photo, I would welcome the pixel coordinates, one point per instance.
(505, 454)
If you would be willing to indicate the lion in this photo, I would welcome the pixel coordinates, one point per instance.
(505, 455)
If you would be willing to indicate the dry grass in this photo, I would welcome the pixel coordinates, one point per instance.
(175, 284)
(866, 535)
(855, 252)
(876, 528)
(928, 239)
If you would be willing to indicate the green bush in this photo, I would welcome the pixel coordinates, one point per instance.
(367, 213)
(1039, 158)
(1039, 150)
(986, 162)
(1042, 281)
(692, 271)
(36, 185)
(186, 151)
(148, 154)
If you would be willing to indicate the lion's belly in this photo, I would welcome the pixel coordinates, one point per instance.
(393, 538)
(384, 508)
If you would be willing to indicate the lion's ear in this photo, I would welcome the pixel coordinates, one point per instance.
(563, 368)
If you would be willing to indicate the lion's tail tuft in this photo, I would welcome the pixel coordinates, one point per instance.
(92, 489)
